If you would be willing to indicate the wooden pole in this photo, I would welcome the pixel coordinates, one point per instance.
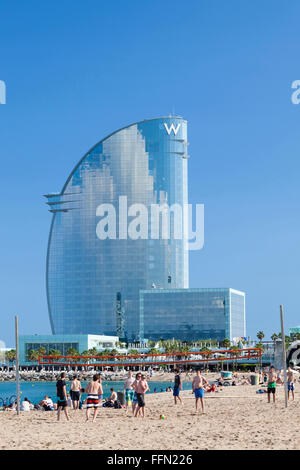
(17, 365)
(283, 357)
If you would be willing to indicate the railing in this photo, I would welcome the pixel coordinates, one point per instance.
(152, 359)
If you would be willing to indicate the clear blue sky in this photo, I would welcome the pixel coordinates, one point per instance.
(76, 71)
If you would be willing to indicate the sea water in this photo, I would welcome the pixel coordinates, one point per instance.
(35, 391)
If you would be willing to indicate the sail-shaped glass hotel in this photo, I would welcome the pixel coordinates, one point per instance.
(112, 284)
(93, 284)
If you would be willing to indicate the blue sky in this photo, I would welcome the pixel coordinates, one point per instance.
(76, 71)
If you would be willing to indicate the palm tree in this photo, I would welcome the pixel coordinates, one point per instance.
(93, 351)
(274, 336)
(113, 352)
(133, 352)
(226, 343)
(288, 341)
(153, 351)
(73, 352)
(85, 360)
(205, 349)
(10, 356)
(262, 348)
(260, 335)
(183, 348)
(33, 355)
(221, 360)
(234, 354)
(54, 352)
(42, 351)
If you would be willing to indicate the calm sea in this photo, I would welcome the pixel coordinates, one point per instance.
(35, 391)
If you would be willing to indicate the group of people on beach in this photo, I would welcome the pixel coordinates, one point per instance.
(272, 379)
(134, 392)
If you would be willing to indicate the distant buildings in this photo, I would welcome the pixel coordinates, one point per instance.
(117, 261)
(62, 343)
(294, 330)
(192, 314)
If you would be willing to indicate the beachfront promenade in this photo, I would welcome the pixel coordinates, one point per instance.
(235, 418)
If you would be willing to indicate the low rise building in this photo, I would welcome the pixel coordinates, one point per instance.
(63, 343)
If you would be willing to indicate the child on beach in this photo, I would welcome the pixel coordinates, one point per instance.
(271, 383)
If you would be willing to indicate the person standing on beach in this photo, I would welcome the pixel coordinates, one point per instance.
(291, 383)
(138, 377)
(75, 392)
(93, 390)
(271, 383)
(62, 396)
(128, 390)
(141, 388)
(177, 386)
(198, 388)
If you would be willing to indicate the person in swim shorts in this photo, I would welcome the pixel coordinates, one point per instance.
(128, 390)
(177, 386)
(141, 388)
(271, 384)
(93, 390)
(75, 392)
(198, 388)
(291, 383)
(138, 377)
(62, 396)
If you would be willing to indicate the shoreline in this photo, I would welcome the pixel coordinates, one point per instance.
(110, 377)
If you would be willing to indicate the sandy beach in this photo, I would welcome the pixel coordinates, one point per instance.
(235, 418)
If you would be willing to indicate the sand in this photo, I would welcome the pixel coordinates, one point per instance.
(236, 418)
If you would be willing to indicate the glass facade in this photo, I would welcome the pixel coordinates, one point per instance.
(62, 343)
(192, 314)
(238, 314)
(92, 282)
(61, 347)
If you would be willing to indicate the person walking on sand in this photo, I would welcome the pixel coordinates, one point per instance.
(271, 384)
(177, 386)
(93, 390)
(198, 388)
(291, 383)
(75, 392)
(128, 390)
(141, 388)
(62, 396)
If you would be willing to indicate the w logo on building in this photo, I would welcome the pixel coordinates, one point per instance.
(171, 128)
(2, 92)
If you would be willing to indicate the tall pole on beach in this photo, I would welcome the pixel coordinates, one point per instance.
(283, 357)
(17, 364)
